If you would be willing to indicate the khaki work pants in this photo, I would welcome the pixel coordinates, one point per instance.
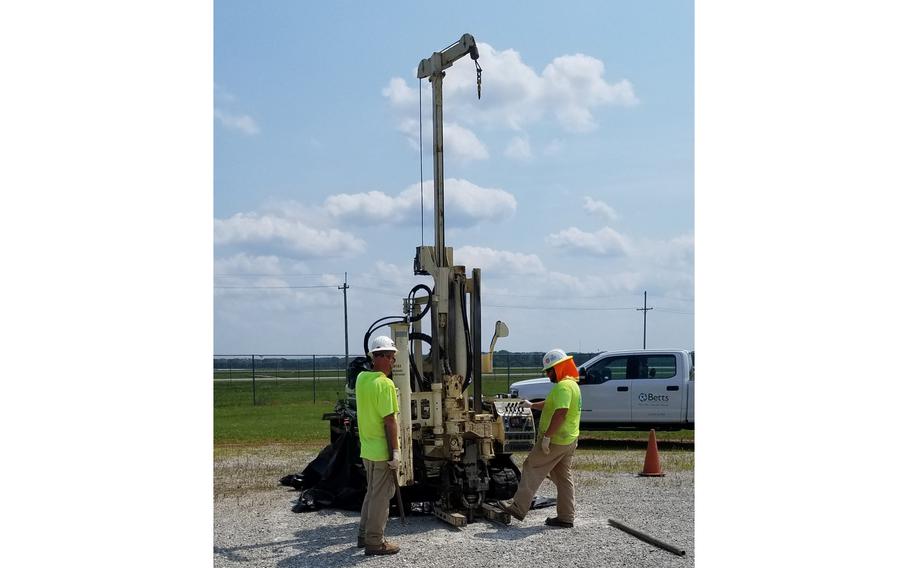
(557, 465)
(375, 510)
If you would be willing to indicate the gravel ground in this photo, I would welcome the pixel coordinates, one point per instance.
(257, 528)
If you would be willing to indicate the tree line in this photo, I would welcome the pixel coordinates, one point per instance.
(501, 358)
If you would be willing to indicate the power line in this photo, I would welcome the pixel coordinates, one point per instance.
(668, 311)
(498, 294)
(674, 298)
(378, 291)
(270, 287)
(277, 275)
(344, 289)
(512, 307)
(644, 312)
(599, 296)
(575, 308)
(549, 296)
(395, 283)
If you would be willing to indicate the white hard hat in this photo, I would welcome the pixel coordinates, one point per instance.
(554, 357)
(382, 343)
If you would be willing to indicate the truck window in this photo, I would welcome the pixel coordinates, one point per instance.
(654, 367)
(607, 369)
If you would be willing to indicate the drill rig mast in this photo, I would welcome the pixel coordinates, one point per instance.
(460, 445)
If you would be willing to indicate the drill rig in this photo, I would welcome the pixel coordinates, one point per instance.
(460, 443)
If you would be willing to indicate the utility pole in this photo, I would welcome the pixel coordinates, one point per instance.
(344, 289)
(644, 310)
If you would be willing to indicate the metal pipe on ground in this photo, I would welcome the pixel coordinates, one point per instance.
(647, 538)
(397, 486)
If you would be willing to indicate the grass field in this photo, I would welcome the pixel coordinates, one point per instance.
(285, 413)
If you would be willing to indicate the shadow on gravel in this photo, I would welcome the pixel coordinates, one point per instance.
(312, 544)
(320, 546)
(512, 532)
(595, 444)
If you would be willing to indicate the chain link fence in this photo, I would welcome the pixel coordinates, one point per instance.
(264, 379)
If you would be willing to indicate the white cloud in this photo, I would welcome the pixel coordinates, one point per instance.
(460, 143)
(399, 94)
(574, 86)
(662, 266)
(600, 209)
(605, 242)
(562, 285)
(272, 296)
(291, 209)
(519, 149)
(242, 266)
(242, 122)
(676, 252)
(411, 130)
(369, 207)
(498, 261)
(394, 278)
(290, 236)
(463, 143)
(552, 287)
(570, 89)
(466, 204)
(243, 263)
(247, 285)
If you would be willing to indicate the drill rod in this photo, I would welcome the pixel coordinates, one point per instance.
(647, 538)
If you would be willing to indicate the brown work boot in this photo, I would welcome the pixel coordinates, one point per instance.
(555, 522)
(385, 548)
(510, 509)
(361, 542)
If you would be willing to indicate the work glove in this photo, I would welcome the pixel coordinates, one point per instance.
(524, 404)
(545, 445)
(396, 459)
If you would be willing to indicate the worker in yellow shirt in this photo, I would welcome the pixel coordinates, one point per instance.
(552, 454)
(377, 405)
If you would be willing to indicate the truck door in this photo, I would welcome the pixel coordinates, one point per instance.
(605, 392)
(657, 388)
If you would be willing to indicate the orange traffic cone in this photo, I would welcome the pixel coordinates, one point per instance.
(652, 460)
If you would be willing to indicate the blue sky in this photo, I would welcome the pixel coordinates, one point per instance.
(569, 183)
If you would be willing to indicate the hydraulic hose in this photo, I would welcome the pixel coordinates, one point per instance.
(411, 296)
(428, 340)
(373, 326)
(409, 319)
(414, 368)
(467, 339)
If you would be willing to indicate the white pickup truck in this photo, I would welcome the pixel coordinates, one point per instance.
(641, 389)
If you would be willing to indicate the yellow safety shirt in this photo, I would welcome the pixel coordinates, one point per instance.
(376, 399)
(564, 394)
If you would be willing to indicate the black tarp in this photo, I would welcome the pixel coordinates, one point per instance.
(335, 478)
